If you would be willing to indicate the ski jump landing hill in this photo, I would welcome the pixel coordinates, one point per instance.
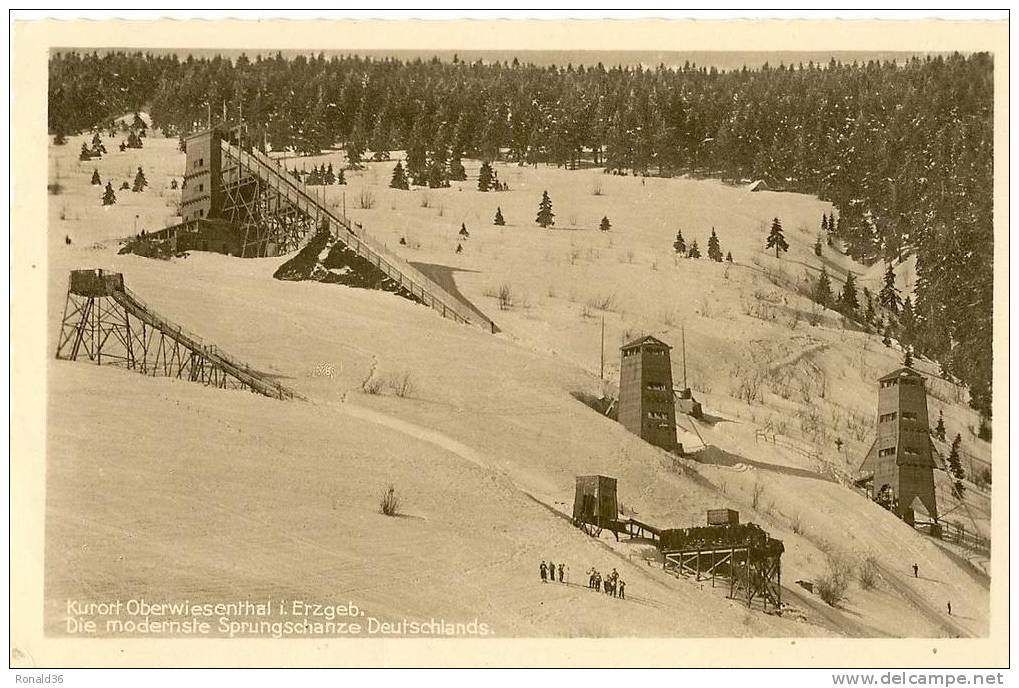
(237, 200)
(104, 322)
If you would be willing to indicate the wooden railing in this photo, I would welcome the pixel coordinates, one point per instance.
(353, 236)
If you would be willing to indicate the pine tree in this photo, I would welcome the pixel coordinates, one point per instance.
(124, 186)
(485, 177)
(109, 198)
(97, 142)
(354, 149)
(886, 339)
(869, 300)
(605, 224)
(939, 429)
(140, 182)
(329, 178)
(96, 181)
(459, 248)
(679, 244)
(341, 179)
(817, 246)
(714, 250)
(889, 294)
(776, 239)
(499, 220)
(954, 460)
(60, 139)
(728, 257)
(85, 154)
(456, 169)
(399, 180)
(545, 215)
(824, 225)
(379, 142)
(417, 163)
(907, 359)
(822, 288)
(463, 231)
(848, 302)
(437, 176)
(694, 252)
(173, 184)
(314, 177)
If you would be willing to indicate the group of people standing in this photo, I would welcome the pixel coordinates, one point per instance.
(548, 572)
(612, 584)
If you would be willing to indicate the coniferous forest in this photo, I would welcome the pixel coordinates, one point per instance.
(902, 150)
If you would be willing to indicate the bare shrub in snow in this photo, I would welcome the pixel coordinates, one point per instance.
(745, 382)
(389, 502)
(868, 573)
(596, 188)
(401, 384)
(755, 495)
(834, 583)
(371, 384)
(602, 302)
(505, 297)
(366, 199)
(796, 524)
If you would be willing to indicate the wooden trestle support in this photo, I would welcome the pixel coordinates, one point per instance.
(751, 573)
(104, 322)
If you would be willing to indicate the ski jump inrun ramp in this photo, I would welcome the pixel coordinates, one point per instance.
(104, 322)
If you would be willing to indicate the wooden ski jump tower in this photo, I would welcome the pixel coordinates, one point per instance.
(899, 467)
(222, 186)
(646, 400)
(237, 200)
(105, 323)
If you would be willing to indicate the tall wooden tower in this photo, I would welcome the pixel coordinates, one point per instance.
(646, 402)
(900, 465)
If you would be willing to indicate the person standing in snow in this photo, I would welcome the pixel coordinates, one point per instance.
(949, 607)
(916, 571)
(561, 567)
(544, 572)
(590, 578)
(622, 589)
(551, 571)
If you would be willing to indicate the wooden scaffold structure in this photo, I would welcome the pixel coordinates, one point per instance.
(744, 556)
(106, 323)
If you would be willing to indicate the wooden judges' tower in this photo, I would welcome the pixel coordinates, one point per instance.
(646, 402)
(899, 468)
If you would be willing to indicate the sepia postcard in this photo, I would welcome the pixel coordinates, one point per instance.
(509, 343)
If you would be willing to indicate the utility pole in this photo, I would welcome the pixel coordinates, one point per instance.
(683, 335)
(602, 374)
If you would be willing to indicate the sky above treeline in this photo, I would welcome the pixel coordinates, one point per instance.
(720, 59)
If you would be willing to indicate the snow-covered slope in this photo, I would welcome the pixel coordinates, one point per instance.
(255, 496)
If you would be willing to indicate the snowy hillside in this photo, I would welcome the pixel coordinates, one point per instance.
(256, 496)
